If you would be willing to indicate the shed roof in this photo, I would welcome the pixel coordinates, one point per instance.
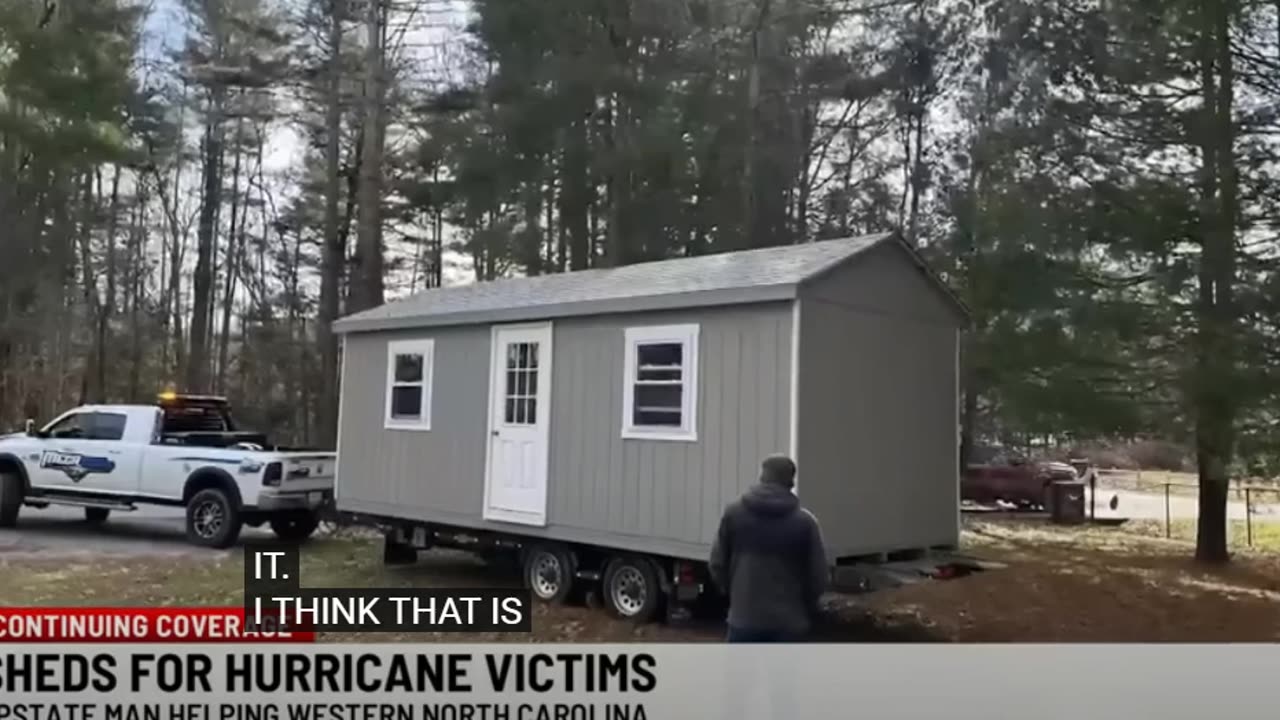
(746, 276)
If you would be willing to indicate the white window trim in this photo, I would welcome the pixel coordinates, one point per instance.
(686, 335)
(425, 348)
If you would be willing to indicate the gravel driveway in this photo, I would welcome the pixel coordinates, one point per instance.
(62, 531)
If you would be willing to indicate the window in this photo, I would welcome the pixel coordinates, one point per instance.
(661, 391)
(89, 426)
(70, 427)
(409, 369)
(107, 426)
(521, 399)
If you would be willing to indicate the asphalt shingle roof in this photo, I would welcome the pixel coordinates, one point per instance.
(725, 278)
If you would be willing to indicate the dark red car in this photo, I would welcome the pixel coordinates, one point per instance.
(1013, 479)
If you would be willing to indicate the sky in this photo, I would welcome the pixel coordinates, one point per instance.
(164, 31)
(430, 23)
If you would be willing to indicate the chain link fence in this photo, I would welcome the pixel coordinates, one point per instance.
(1167, 505)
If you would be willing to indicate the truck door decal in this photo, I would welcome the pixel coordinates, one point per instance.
(76, 466)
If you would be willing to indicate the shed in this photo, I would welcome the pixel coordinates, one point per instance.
(625, 407)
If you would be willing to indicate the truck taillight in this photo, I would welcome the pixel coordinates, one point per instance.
(273, 474)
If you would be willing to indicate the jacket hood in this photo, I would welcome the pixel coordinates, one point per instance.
(770, 499)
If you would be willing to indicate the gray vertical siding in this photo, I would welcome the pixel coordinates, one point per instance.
(671, 490)
(649, 495)
(878, 407)
(413, 471)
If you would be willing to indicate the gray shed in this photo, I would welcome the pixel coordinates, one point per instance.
(625, 407)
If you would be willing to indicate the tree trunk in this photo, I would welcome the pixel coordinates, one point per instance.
(197, 377)
(574, 198)
(1215, 398)
(89, 288)
(135, 263)
(368, 281)
(332, 252)
(108, 308)
(229, 287)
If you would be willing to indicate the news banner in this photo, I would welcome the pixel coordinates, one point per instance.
(261, 661)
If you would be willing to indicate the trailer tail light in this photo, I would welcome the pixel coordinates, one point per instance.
(685, 574)
(271, 478)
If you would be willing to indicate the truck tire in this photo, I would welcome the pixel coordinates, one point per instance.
(212, 519)
(10, 498)
(95, 515)
(631, 588)
(295, 527)
(548, 572)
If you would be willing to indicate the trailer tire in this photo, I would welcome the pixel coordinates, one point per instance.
(548, 572)
(96, 515)
(11, 492)
(295, 527)
(213, 520)
(632, 589)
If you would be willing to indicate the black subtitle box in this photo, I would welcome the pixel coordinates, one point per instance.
(270, 568)
(393, 610)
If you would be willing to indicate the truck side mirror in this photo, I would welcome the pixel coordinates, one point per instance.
(30, 427)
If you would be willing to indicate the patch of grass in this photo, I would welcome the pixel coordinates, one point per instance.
(1262, 535)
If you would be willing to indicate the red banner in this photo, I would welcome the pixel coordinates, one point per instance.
(137, 625)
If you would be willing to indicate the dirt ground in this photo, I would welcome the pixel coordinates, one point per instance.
(1057, 585)
(1090, 585)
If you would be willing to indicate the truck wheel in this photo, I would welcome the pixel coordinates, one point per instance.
(10, 498)
(295, 527)
(548, 572)
(631, 588)
(212, 520)
(96, 516)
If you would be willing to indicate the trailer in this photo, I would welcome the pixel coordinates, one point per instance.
(593, 425)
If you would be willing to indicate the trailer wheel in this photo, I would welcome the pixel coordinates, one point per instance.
(548, 572)
(295, 527)
(632, 589)
(96, 515)
(212, 520)
(10, 498)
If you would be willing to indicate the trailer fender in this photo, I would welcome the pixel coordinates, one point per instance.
(664, 572)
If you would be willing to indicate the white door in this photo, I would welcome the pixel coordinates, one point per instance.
(519, 425)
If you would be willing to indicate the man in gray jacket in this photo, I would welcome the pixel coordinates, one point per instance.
(768, 558)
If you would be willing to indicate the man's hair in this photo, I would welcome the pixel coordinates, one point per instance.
(779, 469)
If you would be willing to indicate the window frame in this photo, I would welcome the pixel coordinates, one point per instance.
(425, 348)
(686, 335)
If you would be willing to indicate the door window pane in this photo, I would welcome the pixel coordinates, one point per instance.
(107, 426)
(406, 401)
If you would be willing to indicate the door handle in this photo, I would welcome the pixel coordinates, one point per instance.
(495, 433)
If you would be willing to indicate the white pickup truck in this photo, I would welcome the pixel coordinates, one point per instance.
(183, 451)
